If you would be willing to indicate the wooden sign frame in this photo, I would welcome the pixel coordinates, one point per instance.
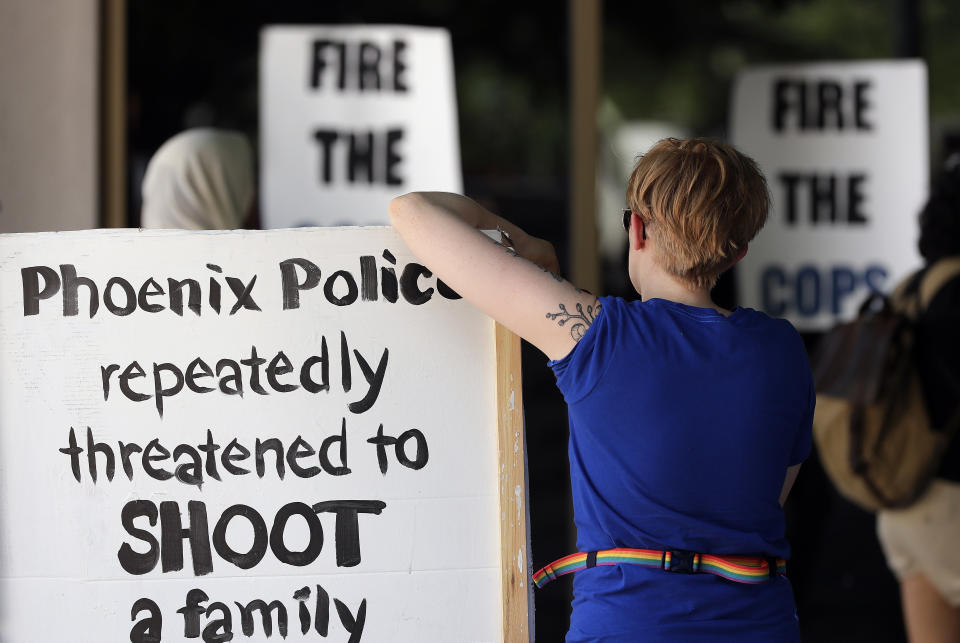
(511, 448)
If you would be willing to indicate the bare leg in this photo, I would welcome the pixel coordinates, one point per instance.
(929, 618)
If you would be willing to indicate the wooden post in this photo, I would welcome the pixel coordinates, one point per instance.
(514, 559)
(585, 76)
(113, 114)
(908, 26)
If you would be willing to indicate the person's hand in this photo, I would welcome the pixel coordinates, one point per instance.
(539, 251)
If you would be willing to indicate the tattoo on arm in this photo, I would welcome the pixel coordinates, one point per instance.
(581, 320)
(513, 253)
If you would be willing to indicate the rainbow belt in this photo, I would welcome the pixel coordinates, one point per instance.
(740, 569)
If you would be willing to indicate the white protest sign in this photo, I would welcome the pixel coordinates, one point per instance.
(275, 435)
(844, 150)
(351, 116)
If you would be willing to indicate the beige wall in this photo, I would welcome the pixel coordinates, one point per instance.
(48, 115)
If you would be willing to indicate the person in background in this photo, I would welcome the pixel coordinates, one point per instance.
(922, 542)
(201, 179)
(688, 422)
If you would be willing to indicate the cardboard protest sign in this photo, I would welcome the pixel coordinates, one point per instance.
(270, 435)
(352, 116)
(844, 150)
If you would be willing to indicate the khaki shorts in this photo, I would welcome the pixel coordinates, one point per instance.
(925, 539)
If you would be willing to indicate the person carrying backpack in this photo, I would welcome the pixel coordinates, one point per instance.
(920, 541)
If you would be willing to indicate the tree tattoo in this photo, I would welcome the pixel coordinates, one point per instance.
(580, 320)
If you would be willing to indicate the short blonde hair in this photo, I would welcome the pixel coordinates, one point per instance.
(702, 201)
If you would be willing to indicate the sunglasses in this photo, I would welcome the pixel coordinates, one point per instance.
(626, 223)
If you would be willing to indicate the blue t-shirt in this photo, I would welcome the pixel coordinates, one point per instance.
(682, 425)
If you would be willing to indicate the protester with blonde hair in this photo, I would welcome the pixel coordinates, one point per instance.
(201, 179)
(688, 422)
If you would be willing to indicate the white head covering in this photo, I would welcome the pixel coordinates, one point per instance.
(201, 179)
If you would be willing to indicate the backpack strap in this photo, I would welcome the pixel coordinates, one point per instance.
(937, 276)
(914, 295)
(906, 298)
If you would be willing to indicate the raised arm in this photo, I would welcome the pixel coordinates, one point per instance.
(518, 286)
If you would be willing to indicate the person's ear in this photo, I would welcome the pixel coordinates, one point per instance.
(743, 253)
(638, 232)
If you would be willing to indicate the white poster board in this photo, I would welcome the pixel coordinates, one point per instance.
(351, 116)
(844, 149)
(329, 347)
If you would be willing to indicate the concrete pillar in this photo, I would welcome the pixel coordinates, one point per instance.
(49, 176)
